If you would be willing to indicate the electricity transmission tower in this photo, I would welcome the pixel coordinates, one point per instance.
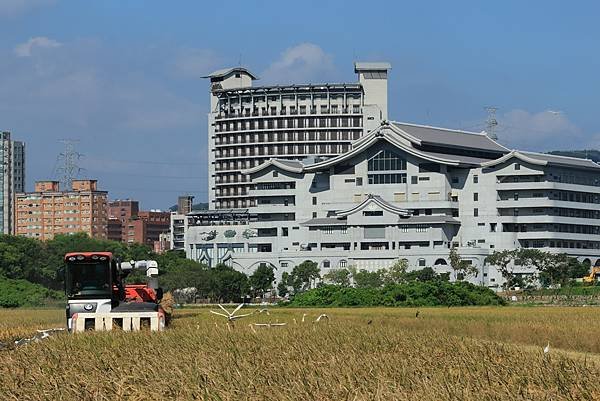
(491, 122)
(67, 161)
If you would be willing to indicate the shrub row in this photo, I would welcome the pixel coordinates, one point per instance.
(15, 293)
(432, 293)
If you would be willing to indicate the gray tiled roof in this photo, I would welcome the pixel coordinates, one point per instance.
(449, 137)
(291, 163)
(224, 71)
(458, 158)
(562, 160)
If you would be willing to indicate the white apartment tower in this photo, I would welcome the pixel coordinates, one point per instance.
(249, 125)
(12, 154)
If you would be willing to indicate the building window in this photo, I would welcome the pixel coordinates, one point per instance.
(475, 179)
(275, 174)
(314, 200)
(343, 263)
(421, 228)
(398, 178)
(455, 180)
(386, 161)
(422, 262)
(475, 212)
(371, 213)
(284, 231)
(475, 196)
(326, 264)
(516, 196)
(314, 215)
(359, 181)
(517, 166)
(493, 227)
(414, 179)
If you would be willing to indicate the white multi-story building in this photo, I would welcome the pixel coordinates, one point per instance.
(405, 191)
(12, 155)
(249, 125)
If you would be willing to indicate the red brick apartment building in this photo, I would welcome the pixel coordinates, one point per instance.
(130, 225)
(49, 211)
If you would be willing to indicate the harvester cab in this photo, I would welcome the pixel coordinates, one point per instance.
(99, 299)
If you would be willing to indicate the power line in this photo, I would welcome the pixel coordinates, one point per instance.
(159, 190)
(69, 157)
(150, 176)
(150, 162)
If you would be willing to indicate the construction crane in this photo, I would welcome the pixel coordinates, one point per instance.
(98, 298)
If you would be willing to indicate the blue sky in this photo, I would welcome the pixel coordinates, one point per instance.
(123, 77)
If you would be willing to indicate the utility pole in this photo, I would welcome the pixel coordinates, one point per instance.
(491, 122)
(67, 161)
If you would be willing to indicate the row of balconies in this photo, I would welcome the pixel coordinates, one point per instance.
(279, 125)
(276, 150)
(288, 139)
(283, 111)
(545, 202)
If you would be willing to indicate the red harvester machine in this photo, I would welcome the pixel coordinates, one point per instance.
(98, 298)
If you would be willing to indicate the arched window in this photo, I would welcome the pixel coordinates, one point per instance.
(386, 167)
(343, 263)
(440, 261)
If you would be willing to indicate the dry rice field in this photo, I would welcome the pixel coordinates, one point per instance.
(358, 354)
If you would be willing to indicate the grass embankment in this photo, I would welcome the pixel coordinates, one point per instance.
(444, 354)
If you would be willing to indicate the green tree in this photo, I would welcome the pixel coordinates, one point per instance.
(503, 261)
(304, 275)
(396, 274)
(426, 274)
(368, 279)
(462, 268)
(282, 287)
(506, 260)
(339, 277)
(227, 284)
(262, 279)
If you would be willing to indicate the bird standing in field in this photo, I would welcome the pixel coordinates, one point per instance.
(417, 314)
(322, 316)
(547, 348)
(370, 321)
(303, 317)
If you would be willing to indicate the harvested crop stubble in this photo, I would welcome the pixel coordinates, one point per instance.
(200, 358)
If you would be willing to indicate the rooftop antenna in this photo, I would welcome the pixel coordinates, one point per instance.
(68, 159)
(491, 122)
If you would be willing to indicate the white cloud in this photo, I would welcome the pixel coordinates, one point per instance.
(11, 8)
(121, 102)
(302, 63)
(39, 42)
(541, 131)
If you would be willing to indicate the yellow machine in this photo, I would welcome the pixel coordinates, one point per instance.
(593, 276)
